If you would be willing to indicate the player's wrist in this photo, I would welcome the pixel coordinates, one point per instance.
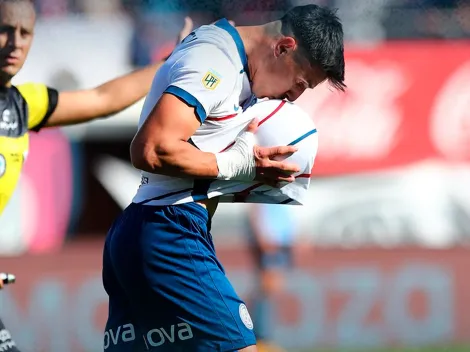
(233, 167)
(238, 163)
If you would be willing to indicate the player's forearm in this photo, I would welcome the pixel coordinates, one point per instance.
(177, 159)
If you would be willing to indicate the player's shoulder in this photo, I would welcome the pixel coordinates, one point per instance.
(32, 89)
(211, 44)
(220, 34)
(30, 85)
(205, 61)
(202, 54)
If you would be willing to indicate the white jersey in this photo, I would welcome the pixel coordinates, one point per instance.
(209, 71)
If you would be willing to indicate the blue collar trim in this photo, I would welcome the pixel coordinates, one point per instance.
(225, 25)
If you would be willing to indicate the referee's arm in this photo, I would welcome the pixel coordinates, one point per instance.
(75, 107)
(80, 106)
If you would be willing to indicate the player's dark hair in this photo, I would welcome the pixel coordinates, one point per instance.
(319, 33)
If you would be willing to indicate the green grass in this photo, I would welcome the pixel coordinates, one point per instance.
(399, 349)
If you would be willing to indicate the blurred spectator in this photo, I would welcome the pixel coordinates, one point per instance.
(100, 8)
(437, 21)
(462, 14)
(245, 12)
(204, 11)
(427, 19)
(53, 8)
(329, 3)
(363, 20)
(271, 231)
(156, 24)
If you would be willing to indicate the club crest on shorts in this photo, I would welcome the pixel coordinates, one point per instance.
(211, 80)
(245, 316)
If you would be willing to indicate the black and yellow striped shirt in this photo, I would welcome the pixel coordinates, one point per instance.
(23, 108)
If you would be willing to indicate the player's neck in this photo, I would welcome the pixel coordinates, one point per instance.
(254, 37)
(256, 40)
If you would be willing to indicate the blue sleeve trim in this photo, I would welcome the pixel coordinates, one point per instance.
(189, 99)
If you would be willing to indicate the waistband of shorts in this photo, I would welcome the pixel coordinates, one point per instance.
(191, 207)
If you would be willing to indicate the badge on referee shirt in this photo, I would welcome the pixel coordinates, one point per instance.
(211, 80)
(3, 165)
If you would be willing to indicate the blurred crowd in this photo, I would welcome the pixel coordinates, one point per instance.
(366, 21)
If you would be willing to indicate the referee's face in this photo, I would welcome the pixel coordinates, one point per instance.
(16, 34)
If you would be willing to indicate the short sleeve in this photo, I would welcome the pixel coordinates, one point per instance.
(203, 77)
(41, 101)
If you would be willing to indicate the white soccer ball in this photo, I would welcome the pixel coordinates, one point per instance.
(283, 123)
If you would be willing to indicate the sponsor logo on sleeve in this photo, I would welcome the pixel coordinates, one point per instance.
(211, 80)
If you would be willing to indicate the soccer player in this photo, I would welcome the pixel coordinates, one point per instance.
(32, 106)
(271, 230)
(167, 290)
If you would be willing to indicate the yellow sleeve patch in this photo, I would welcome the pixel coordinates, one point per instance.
(37, 98)
(211, 80)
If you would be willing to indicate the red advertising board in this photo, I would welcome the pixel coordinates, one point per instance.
(406, 102)
(359, 298)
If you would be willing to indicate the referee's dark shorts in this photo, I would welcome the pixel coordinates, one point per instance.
(6, 342)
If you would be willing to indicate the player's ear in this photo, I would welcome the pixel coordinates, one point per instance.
(285, 45)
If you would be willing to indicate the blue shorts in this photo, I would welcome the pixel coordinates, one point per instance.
(167, 290)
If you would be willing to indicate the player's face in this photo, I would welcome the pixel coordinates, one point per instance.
(285, 74)
(16, 34)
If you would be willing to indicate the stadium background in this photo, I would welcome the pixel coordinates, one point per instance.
(381, 257)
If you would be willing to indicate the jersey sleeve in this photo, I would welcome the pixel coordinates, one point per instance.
(41, 101)
(204, 77)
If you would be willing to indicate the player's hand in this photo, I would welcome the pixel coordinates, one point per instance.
(187, 28)
(270, 167)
